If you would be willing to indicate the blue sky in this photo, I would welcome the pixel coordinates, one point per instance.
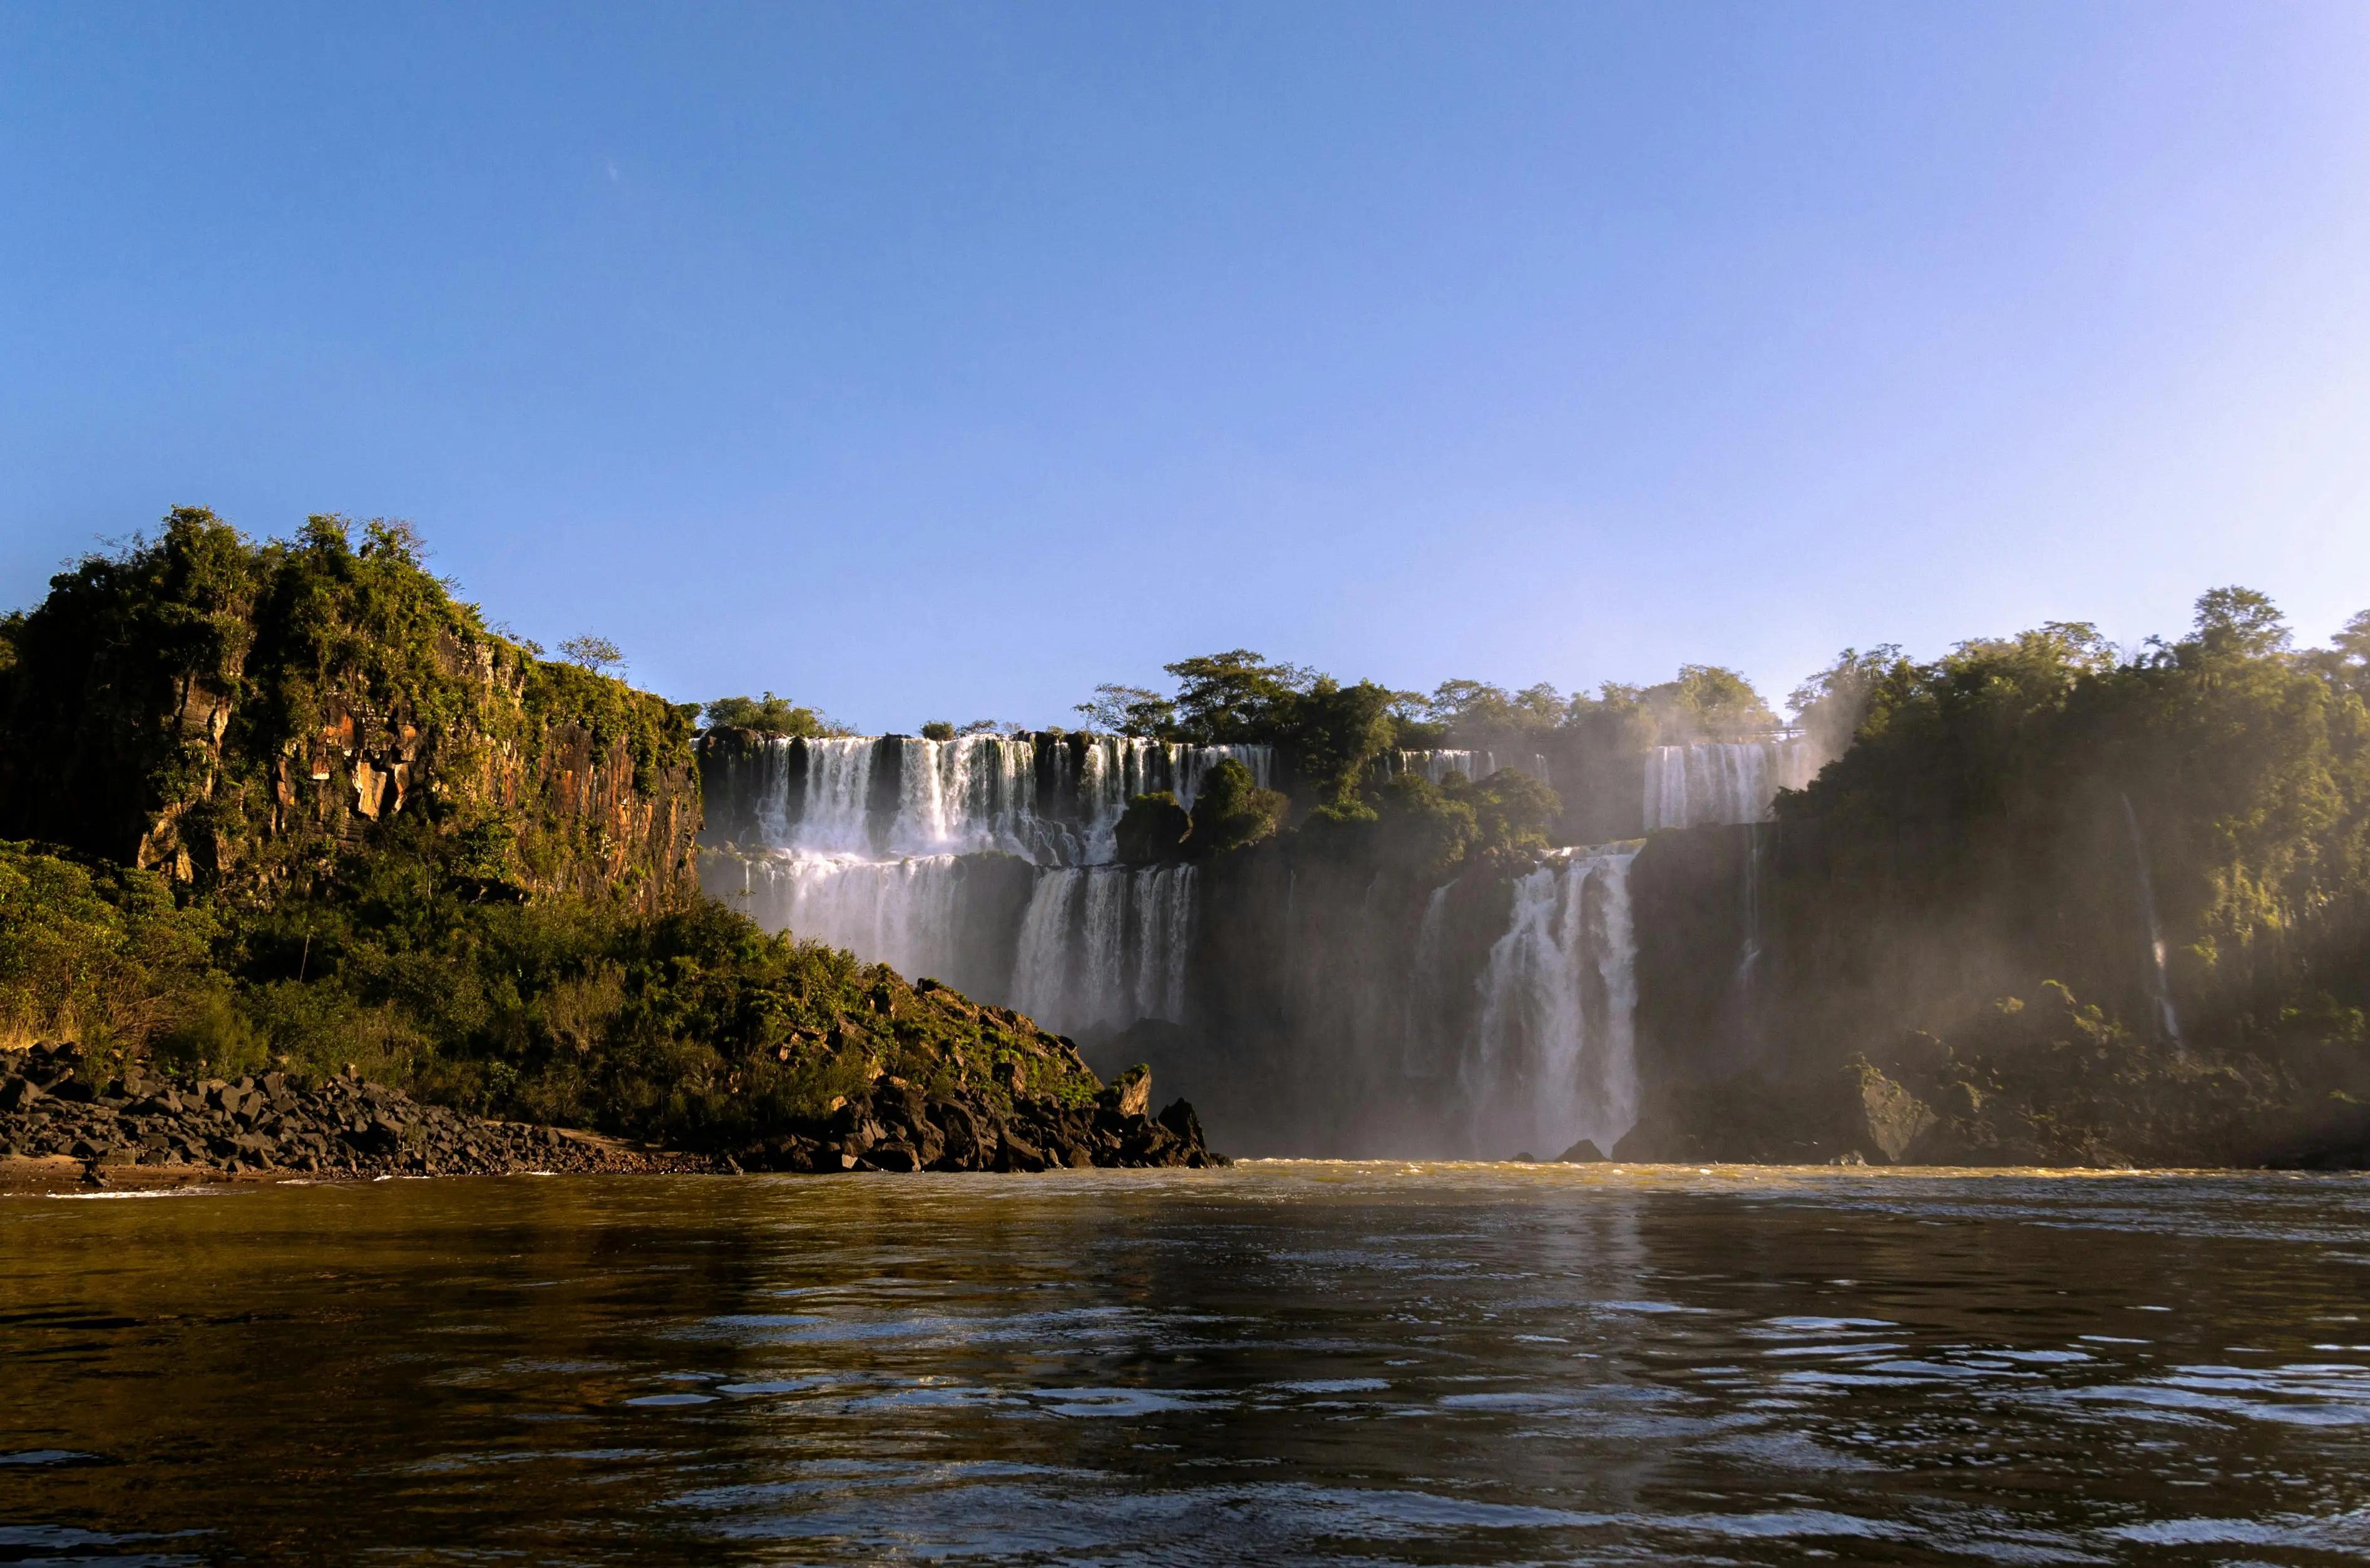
(929, 361)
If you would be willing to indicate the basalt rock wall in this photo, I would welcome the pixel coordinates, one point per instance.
(235, 715)
(240, 716)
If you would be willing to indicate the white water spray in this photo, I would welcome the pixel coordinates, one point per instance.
(1555, 1058)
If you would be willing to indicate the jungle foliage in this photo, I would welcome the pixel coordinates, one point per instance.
(174, 702)
(1337, 739)
(479, 945)
(691, 1027)
(2219, 782)
(767, 715)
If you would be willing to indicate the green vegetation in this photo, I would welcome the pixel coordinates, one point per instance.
(235, 714)
(1337, 738)
(691, 1027)
(1995, 816)
(769, 715)
(595, 653)
(1153, 829)
(95, 951)
(1232, 812)
(297, 805)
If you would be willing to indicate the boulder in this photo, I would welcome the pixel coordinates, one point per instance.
(1130, 1094)
(1882, 1118)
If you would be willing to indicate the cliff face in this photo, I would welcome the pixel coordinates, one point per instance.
(236, 716)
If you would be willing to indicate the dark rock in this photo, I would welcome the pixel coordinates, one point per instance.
(1178, 1118)
(1130, 1094)
(1017, 1153)
(1584, 1152)
(894, 1154)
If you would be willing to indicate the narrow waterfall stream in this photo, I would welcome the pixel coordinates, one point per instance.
(2160, 981)
(1555, 1058)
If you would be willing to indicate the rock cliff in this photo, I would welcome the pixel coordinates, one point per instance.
(236, 716)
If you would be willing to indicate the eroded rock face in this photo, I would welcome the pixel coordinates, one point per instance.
(224, 712)
(1130, 1094)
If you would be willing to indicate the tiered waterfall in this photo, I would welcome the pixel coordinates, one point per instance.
(910, 852)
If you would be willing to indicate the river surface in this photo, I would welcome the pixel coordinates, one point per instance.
(1279, 1362)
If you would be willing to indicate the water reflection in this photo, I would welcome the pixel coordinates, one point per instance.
(1373, 1363)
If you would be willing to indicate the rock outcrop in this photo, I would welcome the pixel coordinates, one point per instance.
(163, 1126)
(896, 1127)
(231, 714)
(146, 1124)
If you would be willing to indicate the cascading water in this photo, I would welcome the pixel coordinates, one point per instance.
(864, 842)
(2160, 987)
(904, 913)
(1722, 783)
(1435, 766)
(1102, 946)
(988, 861)
(1554, 1060)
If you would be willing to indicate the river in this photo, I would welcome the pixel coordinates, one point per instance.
(1278, 1362)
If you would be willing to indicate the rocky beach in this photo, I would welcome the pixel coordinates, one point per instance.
(146, 1128)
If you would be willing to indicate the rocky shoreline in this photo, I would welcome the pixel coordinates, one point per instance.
(144, 1127)
(896, 1127)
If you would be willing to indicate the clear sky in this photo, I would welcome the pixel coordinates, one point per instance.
(939, 361)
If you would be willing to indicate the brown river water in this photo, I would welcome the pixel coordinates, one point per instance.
(1279, 1362)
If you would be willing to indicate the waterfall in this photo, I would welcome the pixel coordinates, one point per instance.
(904, 913)
(1102, 946)
(1427, 992)
(832, 812)
(863, 840)
(1553, 1059)
(2160, 987)
(1713, 783)
(1435, 766)
(1191, 764)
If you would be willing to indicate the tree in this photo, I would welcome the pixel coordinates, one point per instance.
(2239, 620)
(772, 716)
(1236, 696)
(2353, 642)
(1336, 733)
(1474, 710)
(1425, 828)
(1130, 710)
(1708, 702)
(1511, 812)
(1153, 829)
(593, 653)
(2348, 660)
(1232, 811)
(1830, 704)
(393, 537)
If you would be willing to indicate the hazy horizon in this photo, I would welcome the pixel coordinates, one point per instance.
(940, 365)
